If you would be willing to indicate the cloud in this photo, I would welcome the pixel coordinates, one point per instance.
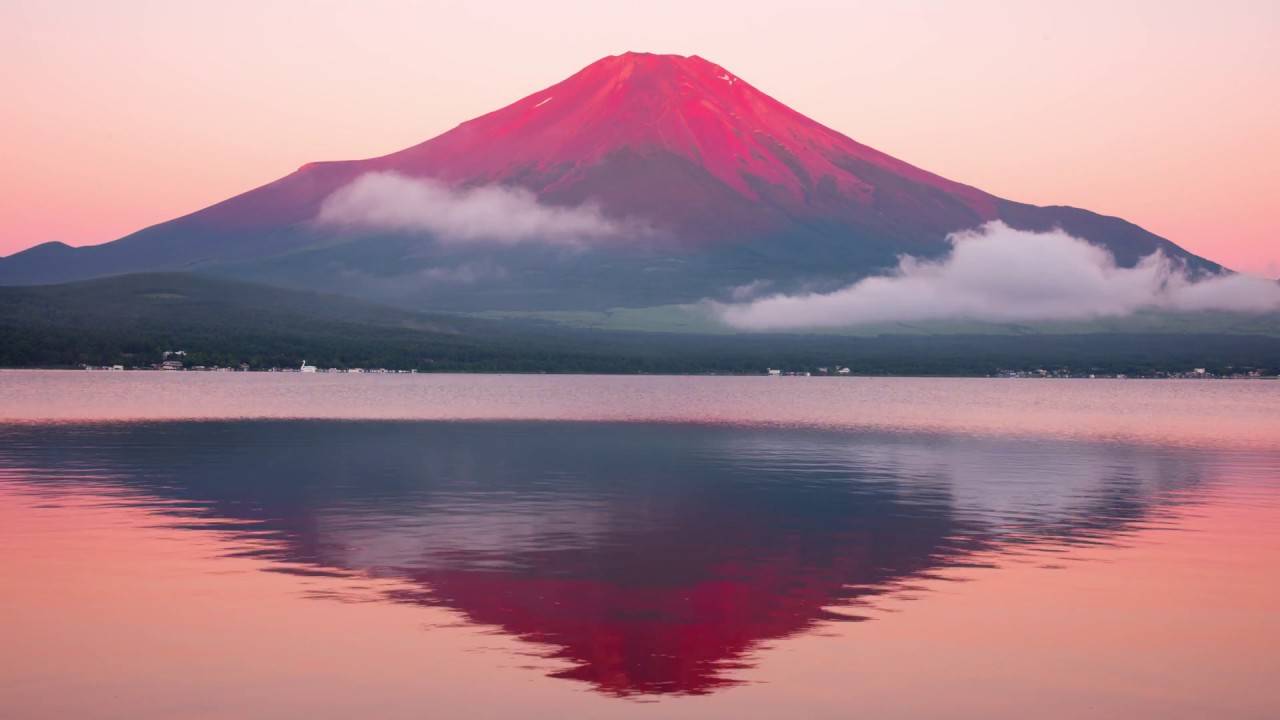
(996, 273)
(487, 214)
(750, 290)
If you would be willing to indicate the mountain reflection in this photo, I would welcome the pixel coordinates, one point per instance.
(651, 558)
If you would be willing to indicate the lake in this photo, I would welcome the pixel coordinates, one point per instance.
(214, 545)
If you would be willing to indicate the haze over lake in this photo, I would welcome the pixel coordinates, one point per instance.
(197, 545)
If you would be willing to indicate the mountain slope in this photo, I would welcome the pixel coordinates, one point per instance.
(732, 186)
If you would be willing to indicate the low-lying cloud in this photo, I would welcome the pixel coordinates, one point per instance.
(996, 273)
(486, 214)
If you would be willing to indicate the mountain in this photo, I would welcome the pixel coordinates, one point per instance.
(700, 182)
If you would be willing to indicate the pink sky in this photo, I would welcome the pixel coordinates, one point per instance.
(120, 115)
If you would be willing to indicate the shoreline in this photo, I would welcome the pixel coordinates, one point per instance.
(1009, 375)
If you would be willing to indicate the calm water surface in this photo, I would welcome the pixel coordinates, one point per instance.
(250, 545)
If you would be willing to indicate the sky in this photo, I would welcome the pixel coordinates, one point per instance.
(120, 115)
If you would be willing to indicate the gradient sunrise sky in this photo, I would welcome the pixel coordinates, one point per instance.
(121, 114)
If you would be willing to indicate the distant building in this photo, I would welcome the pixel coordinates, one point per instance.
(307, 368)
(772, 371)
(171, 365)
(843, 371)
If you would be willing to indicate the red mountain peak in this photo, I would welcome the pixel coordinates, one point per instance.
(681, 149)
(680, 142)
(647, 104)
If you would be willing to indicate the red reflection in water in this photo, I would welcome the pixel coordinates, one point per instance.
(654, 560)
(628, 640)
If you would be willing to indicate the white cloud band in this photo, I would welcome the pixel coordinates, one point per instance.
(492, 213)
(996, 273)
